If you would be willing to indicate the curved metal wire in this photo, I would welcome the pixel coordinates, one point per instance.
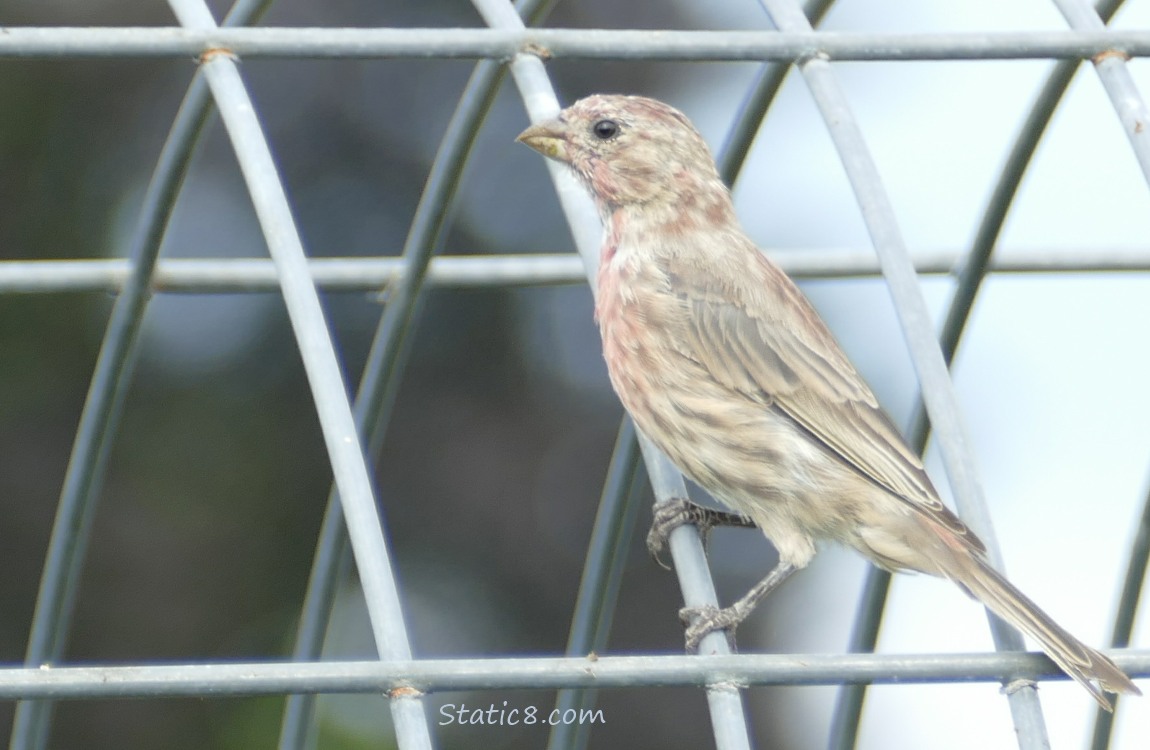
(614, 523)
(338, 426)
(1114, 73)
(728, 714)
(386, 361)
(1130, 106)
(602, 575)
(864, 635)
(938, 391)
(1124, 618)
(83, 479)
(733, 155)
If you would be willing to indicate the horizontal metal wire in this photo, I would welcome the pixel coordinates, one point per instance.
(224, 679)
(64, 42)
(373, 274)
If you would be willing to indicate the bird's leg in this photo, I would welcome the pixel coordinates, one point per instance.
(703, 620)
(677, 511)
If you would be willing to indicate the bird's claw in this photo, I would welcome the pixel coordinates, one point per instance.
(673, 513)
(669, 515)
(704, 620)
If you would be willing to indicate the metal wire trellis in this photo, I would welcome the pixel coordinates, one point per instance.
(353, 431)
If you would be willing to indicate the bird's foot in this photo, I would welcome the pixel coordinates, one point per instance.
(702, 621)
(673, 513)
(706, 619)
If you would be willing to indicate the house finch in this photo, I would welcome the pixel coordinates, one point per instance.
(724, 364)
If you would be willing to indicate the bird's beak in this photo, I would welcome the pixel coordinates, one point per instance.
(548, 138)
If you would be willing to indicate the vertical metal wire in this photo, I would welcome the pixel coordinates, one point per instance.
(329, 392)
(847, 715)
(938, 391)
(604, 560)
(103, 406)
(602, 575)
(728, 714)
(733, 155)
(1130, 106)
(1124, 618)
(724, 700)
(387, 360)
(329, 566)
(864, 635)
(1115, 76)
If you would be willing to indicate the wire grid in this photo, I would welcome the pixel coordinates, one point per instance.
(354, 429)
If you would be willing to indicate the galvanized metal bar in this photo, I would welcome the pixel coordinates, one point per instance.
(602, 575)
(531, 673)
(237, 275)
(1130, 106)
(386, 361)
(610, 535)
(733, 155)
(910, 306)
(325, 378)
(103, 406)
(973, 270)
(597, 44)
(1132, 585)
(1114, 73)
(728, 715)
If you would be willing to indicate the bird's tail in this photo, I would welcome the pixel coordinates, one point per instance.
(1078, 660)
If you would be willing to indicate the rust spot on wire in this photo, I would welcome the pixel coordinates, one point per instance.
(537, 49)
(1106, 54)
(212, 53)
(404, 692)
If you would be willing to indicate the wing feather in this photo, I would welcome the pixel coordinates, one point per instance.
(744, 333)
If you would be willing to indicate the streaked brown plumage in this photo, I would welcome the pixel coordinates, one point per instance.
(723, 364)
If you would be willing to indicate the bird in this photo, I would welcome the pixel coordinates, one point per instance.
(727, 368)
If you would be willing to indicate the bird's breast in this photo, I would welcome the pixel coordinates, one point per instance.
(625, 294)
(736, 447)
(639, 320)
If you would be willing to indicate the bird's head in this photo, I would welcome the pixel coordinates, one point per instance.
(628, 150)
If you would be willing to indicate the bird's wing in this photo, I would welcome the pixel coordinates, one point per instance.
(757, 334)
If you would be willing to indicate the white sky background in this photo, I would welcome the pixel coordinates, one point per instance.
(1052, 373)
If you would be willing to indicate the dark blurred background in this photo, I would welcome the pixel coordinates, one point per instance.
(505, 421)
(215, 491)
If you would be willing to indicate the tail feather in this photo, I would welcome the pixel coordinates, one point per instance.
(1086, 665)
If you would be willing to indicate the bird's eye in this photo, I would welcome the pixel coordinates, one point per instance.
(605, 130)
